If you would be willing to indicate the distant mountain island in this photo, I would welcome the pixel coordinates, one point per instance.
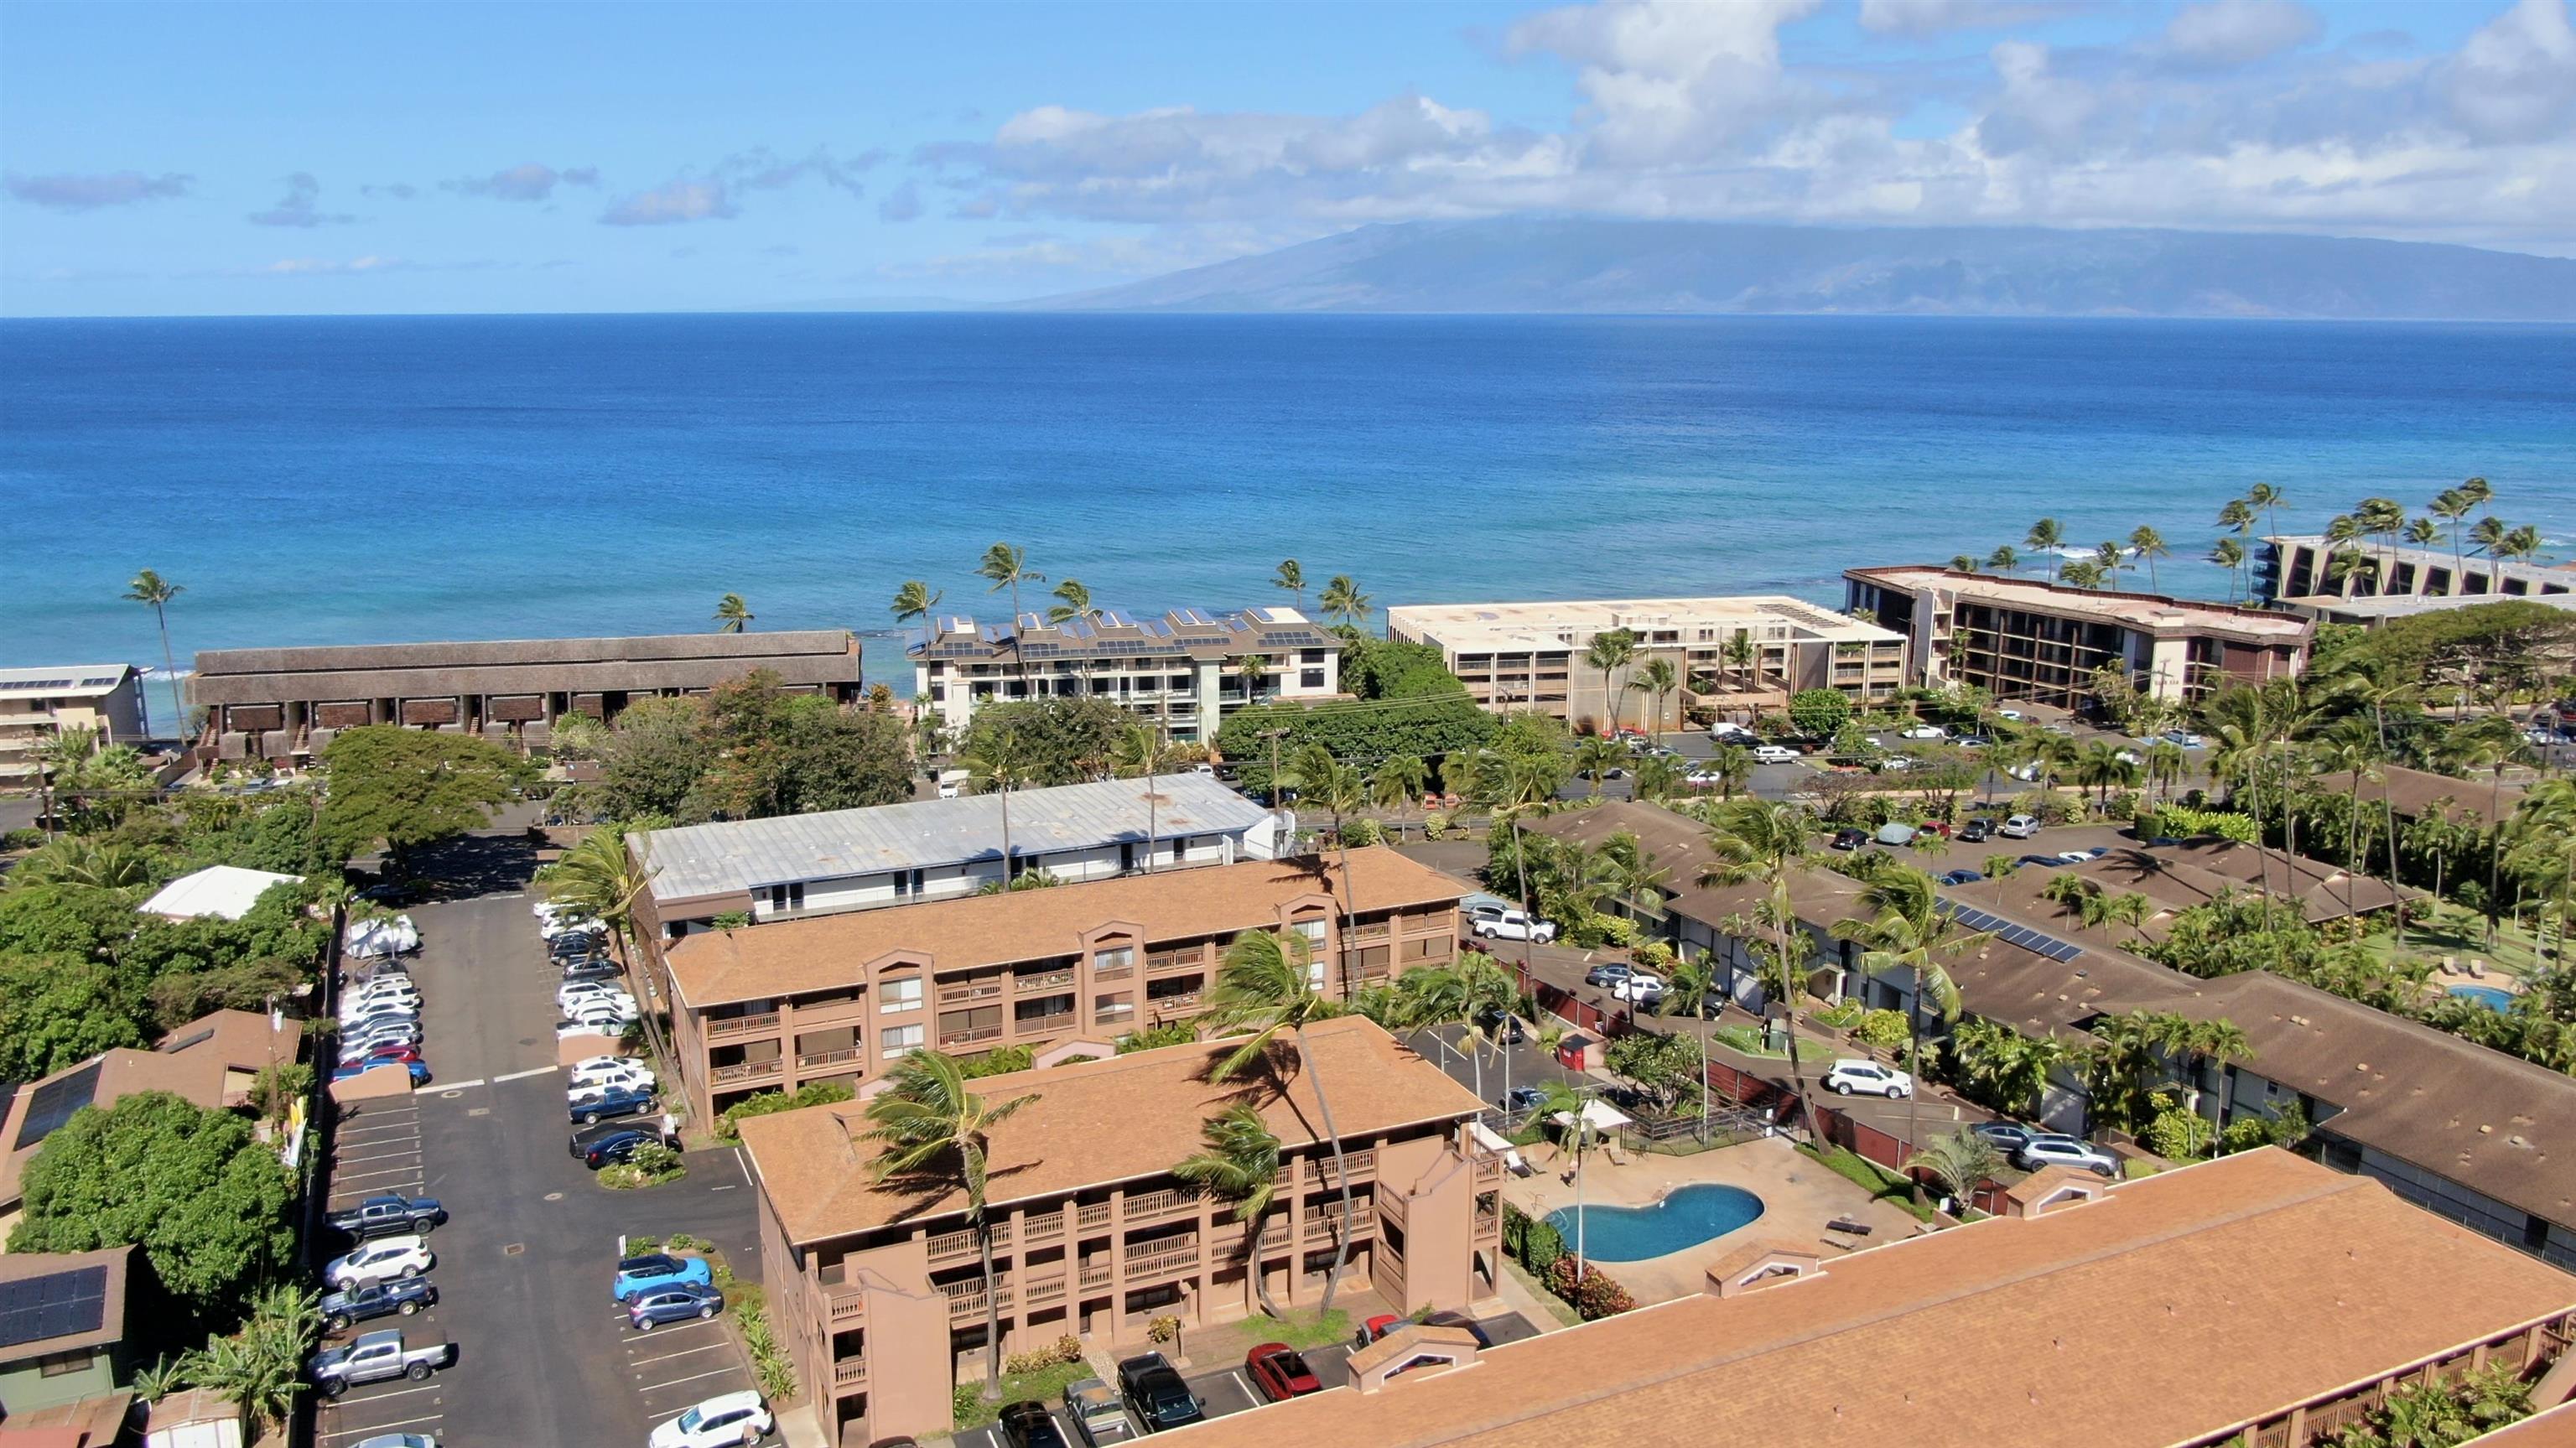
(1534, 264)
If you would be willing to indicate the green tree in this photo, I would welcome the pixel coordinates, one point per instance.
(732, 614)
(204, 1198)
(1342, 600)
(1657, 679)
(261, 1367)
(1961, 1162)
(1429, 727)
(1595, 757)
(1266, 987)
(997, 761)
(2005, 559)
(599, 878)
(2149, 544)
(929, 1126)
(57, 1012)
(1340, 791)
(1005, 566)
(153, 590)
(1761, 841)
(1611, 650)
(1818, 713)
(405, 788)
(1063, 741)
(2046, 536)
(651, 762)
(2229, 554)
(913, 602)
(1238, 1162)
(1908, 930)
(1291, 580)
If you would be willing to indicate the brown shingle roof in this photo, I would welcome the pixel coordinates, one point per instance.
(192, 1061)
(2494, 1123)
(760, 961)
(2177, 1308)
(510, 666)
(2415, 793)
(1098, 1122)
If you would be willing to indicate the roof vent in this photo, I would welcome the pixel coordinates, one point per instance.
(1760, 1264)
(2053, 1189)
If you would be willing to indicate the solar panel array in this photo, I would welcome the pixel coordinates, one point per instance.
(99, 682)
(54, 1103)
(36, 1309)
(40, 683)
(2012, 934)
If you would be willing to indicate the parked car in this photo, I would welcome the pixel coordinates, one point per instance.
(1850, 839)
(1774, 754)
(2054, 1150)
(369, 1017)
(1097, 1413)
(590, 968)
(724, 1421)
(1521, 1098)
(678, 1302)
(1849, 1076)
(388, 1213)
(1724, 730)
(370, 1300)
(655, 1270)
(603, 1023)
(418, 1069)
(1639, 990)
(1155, 1390)
(2026, 773)
(1608, 972)
(391, 995)
(601, 1103)
(405, 1256)
(382, 1054)
(397, 1440)
(632, 1074)
(552, 928)
(1514, 925)
(1961, 877)
(2008, 1137)
(2019, 827)
(1895, 764)
(1924, 731)
(1278, 1373)
(1028, 1424)
(611, 1142)
(355, 1047)
(2045, 862)
(375, 1357)
(1975, 831)
(2185, 738)
(1972, 741)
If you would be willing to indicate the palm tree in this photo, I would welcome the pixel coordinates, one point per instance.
(1611, 651)
(2166, 763)
(2268, 499)
(1556, 1099)
(2423, 533)
(150, 587)
(2453, 506)
(1963, 563)
(1514, 785)
(1342, 600)
(2230, 555)
(1006, 566)
(2082, 573)
(1252, 669)
(1072, 604)
(2492, 743)
(598, 877)
(1595, 756)
(1999, 868)
(1265, 985)
(2382, 518)
(732, 614)
(261, 1367)
(2003, 559)
(2237, 516)
(1238, 1160)
(1657, 678)
(1961, 1162)
(914, 600)
(2149, 544)
(1341, 791)
(1140, 752)
(1741, 654)
(929, 1124)
(1657, 776)
(1768, 842)
(1291, 579)
(2520, 545)
(1696, 980)
(2107, 557)
(1733, 766)
(1907, 928)
(2490, 535)
(1001, 762)
(1398, 781)
(2102, 766)
(2044, 537)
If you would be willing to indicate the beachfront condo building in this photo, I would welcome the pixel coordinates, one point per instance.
(880, 1294)
(2029, 641)
(1062, 970)
(286, 704)
(38, 705)
(1183, 672)
(2381, 581)
(1733, 656)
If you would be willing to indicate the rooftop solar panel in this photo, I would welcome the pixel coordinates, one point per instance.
(98, 681)
(54, 1102)
(59, 1304)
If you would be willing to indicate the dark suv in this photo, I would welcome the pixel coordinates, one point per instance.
(613, 1141)
(1975, 831)
(1156, 1393)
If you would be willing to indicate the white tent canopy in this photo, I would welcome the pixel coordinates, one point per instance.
(225, 890)
(383, 937)
(1599, 1115)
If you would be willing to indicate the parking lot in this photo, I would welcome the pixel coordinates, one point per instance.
(523, 1264)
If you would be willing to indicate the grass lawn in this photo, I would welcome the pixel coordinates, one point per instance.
(1227, 1342)
(1047, 1385)
(2462, 933)
(1884, 1185)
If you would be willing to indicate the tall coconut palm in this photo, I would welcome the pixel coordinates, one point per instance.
(2046, 536)
(2490, 742)
(1006, 566)
(999, 763)
(1907, 929)
(2230, 555)
(1340, 791)
(2268, 500)
(1733, 766)
(929, 1125)
(2383, 519)
(2521, 545)
(1291, 579)
(1768, 842)
(914, 601)
(598, 877)
(151, 588)
(1253, 670)
(1657, 776)
(1266, 987)
(1072, 604)
(1398, 781)
(1343, 601)
(732, 614)
(2108, 557)
(2149, 544)
(2102, 767)
(2081, 573)
(2490, 536)
(1558, 1099)
(1741, 654)
(2423, 533)
(1238, 1162)
(1595, 755)
(2003, 559)
(1963, 563)
(1657, 679)
(2237, 516)
(1999, 868)
(1611, 650)
(1514, 785)
(2453, 506)
(1140, 752)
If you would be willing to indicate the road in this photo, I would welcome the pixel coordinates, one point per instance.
(524, 1263)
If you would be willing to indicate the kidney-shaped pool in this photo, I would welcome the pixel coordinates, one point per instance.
(1686, 1217)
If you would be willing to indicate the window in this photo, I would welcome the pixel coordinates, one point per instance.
(899, 1040)
(1114, 958)
(1313, 930)
(787, 897)
(1310, 678)
(907, 883)
(900, 994)
(1109, 1008)
(63, 1364)
(1310, 656)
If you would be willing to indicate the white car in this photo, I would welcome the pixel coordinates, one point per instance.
(601, 1025)
(1774, 754)
(406, 1256)
(1723, 729)
(2026, 773)
(552, 910)
(1491, 924)
(2019, 827)
(1848, 1077)
(719, 1422)
(1896, 762)
(358, 1008)
(569, 925)
(573, 995)
(2042, 1151)
(1926, 731)
(2014, 715)
(601, 1072)
(1641, 990)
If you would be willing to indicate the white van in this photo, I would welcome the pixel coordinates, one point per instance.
(2019, 827)
(952, 782)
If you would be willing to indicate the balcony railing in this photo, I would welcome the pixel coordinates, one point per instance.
(816, 1060)
(1361, 1165)
(1322, 1225)
(1054, 980)
(847, 1305)
(1148, 1206)
(1178, 960)
(970, 1037)
(1095, 1274)
(961, 1244)
(1113, 972)
(1170, 1003)
(1046, 1228)
(1182, 1257)
(742, 1025)
(1050, 1290)
(1488, 1224)
(984, 990)
(850, 1374)
(965, 1299)
(1095, 1214)
(747, 1071)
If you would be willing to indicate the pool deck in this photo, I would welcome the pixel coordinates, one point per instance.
(1799, 1197)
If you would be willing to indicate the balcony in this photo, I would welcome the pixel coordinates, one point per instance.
(843, 1306)
(742, 1025)
(821, 1060)
(1164, 963)
(747, 1071)
(1167, 1005)
(1168, 1261)
(1362, 1165)
(966, 1299)
(1053, 980)
(1046, 1228)
(984, 990)
(1113, 972)
(1154, 1206)
(968, 1038)
(1094, 1215)
(950, 1245)
(1321, 1226)
(1050, 1290)
(1488, 1224)
(1095, 1275)
(851, 1374)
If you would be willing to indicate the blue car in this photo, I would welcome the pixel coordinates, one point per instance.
(648, 1310)
(419, 1070)
(1961, 877)
(658, 1269)
(608, 1101)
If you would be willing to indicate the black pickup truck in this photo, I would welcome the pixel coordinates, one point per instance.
(387, 1215)
(368, 1301)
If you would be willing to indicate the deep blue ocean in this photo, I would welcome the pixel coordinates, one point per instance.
(325, 480)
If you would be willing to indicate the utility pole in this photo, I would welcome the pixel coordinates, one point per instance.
(1274, 736)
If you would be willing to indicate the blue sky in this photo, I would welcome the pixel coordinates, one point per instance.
(401, 158)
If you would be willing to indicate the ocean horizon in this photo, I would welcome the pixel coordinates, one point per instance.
(324, 480)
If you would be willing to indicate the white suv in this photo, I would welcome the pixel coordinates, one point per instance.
(377, 1260)
(719, 1422)
(1774, 754)
(2052, 1150)
(2019, 827)
(1850, 1076)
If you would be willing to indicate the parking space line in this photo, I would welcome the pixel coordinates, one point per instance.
(642, 1339)
(387, 1132)
(412, 1151)
(412, 1170)
(458, 1085)
(380, 1427)
(379, 1397)
(666, 1357)
(523, 1075)
(675, 1382)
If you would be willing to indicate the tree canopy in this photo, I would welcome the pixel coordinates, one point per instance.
(1817, 713)
(749, 749)
(1057, 741)
(405, 788)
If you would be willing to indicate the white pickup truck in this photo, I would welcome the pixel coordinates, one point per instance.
(1494, 922)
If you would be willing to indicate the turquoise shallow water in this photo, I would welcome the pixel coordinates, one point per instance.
(359, 479)
(1686, 1217)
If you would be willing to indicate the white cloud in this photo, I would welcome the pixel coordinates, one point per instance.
(89, 193)
(1927, 17)
(716, 195)
(309, 266)
(529, 181)
(300, 206)
(673, 202)
(903, 203)
(2515, 80)
(2239, 32)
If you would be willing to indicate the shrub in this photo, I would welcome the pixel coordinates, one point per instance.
(31, 839)
(1062, 1350)
(2177, 1134)
(1595, 1296)
(994, 1063)
(729, 920)
(1542, 1246)
(1842, 1015)
(650, 1166)
(1435, 826)
(1164, 1328)
(814, 1093)
(1884, 1030)
(1361, 833)
(2175, 822)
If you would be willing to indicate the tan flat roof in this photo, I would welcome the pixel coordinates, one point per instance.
(1478, 627)
(2177, 1307)
(1098, 1122)
(783, 958)
(2145, 612)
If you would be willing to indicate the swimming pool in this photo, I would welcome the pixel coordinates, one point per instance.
(1685, 1218)
(2485, 995)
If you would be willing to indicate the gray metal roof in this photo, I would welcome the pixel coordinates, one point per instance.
(715, 859)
